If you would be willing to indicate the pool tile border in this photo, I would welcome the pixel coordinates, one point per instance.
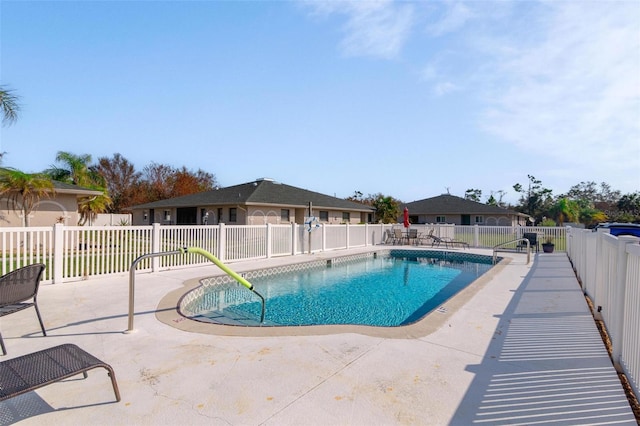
(168, 314)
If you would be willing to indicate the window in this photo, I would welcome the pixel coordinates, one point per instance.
(284, 215)
(167, 215)
(479, 219)
(324, 216)
(441, 219)
(346, 216)
(233, 214)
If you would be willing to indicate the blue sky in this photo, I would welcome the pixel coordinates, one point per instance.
(409, 99)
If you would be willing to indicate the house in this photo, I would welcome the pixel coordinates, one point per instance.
(253, 203)
(454, 210)
(61, 206)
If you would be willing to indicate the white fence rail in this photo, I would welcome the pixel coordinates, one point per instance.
(609, 270)
(79, 252)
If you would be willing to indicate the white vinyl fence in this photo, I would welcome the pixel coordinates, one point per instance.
(73, 253)
(609, 270)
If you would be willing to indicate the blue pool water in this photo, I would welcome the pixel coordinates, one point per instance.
(390, 290)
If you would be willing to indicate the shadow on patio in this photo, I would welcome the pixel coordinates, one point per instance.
(546, 363)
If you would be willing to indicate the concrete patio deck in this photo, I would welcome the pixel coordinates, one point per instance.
(517, 347)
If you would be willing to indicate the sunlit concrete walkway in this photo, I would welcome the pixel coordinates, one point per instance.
(517, 347)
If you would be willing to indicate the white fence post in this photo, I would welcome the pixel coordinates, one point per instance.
(618, 296)
(476, 235)
(599, 265)
(268, 237)
(294, 239)
(156, 243)
(222, 241)
(366, 234)
(347, 239)
(58, 253)
(630, 357)
(324, 238)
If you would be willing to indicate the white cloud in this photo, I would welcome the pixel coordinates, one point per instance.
(558, 79)
(445, 87)
(376, 28)
(574, 92)
(455, 17)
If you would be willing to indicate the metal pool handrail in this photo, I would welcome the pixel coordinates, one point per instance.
(517, 240)
(196, 250)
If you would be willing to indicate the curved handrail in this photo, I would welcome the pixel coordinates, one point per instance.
(183, 250)
(517, 240)
(240, 279)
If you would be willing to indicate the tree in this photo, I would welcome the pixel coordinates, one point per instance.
(156, 183)
(356, 197)
(629, 207)
(566, 210)
(535, 199)
(160, 182)
(9, 105)
(630, 203)
(186, 182)
(591, 192)
(24, 190)
(501, 194)
(591, 217)
(387, 208)
(473, 195)
(89, 207)
(591, 197)
(77, 170)
(122, 179)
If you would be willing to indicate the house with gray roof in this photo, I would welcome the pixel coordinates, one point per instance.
(449, 209)
(253, 203)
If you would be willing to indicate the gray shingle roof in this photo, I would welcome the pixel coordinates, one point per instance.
(69, 188)
(450, 204)
(258, 192)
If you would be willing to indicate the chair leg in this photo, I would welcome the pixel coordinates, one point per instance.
(44, 332)
(4, 350)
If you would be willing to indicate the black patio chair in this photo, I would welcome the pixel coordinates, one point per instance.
(18, 291)
(533, 241)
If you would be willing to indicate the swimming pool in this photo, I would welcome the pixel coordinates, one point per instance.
(393, 288)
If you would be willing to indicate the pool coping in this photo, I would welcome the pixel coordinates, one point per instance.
(168, 313)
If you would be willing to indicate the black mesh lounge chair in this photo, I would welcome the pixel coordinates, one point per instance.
(424, 238)
(448, 242)
(32, 371)
(18, 291)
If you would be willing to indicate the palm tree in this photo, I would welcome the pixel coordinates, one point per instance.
(24, 190)
(566, 210)
(90, 207)
(77, 170)
(8, 105)
(387, 208)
